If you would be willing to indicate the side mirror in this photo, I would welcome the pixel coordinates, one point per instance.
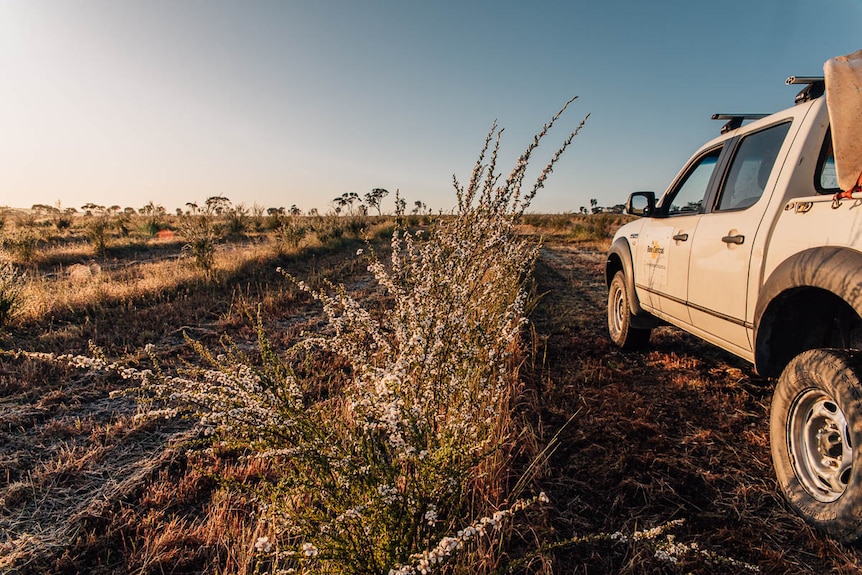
(641, 204)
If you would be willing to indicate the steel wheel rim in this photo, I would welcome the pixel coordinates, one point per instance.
(820, 447)
(618, 305)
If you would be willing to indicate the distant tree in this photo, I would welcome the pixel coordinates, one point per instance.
(90, 207)
(345, 200)
(44, 209)
(217, 204)
(154, 214)
(352, 197)
(294, 211)
(419, 207)
(63, 217)
(237, 217)
(374, 198)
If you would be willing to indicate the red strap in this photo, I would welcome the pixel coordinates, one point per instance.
(848, 194)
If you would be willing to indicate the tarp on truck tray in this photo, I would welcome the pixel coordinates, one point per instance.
(843, 78)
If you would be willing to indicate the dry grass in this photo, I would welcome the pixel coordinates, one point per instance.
(678, 432)
(89, 487)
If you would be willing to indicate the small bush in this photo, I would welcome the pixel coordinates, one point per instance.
(98, 230)
(238, 220)
(328, 229)
(201, 231)
(11, 285)
(22, 242)
(289, 235)
(63, 222)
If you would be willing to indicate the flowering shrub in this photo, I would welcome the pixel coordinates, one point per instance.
(383, 473)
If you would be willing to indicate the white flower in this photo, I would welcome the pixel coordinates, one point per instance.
(309, 550)
(263, 545)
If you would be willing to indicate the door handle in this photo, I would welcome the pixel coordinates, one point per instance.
(681, 237)
(738, 240)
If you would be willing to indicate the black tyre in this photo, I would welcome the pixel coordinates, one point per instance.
(620, 317)
(816, 436)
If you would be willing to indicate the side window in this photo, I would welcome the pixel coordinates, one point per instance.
(826, 178)
(688, 197)
(751, 166)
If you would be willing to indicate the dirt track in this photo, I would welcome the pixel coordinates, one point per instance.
(676, 432)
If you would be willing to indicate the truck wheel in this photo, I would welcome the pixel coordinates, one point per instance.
(815, 430)
(620, 317)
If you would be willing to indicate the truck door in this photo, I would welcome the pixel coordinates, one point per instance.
(664, 247)
(721, 249)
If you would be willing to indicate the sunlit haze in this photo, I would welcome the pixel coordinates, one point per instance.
(297, 102)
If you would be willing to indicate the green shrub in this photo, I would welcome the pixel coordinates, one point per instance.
(328, 229)
(289, 235)
(98, 228)
(201, 232)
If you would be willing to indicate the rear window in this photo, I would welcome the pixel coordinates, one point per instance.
(825, 177)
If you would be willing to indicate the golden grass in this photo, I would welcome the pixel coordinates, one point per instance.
(81, 285)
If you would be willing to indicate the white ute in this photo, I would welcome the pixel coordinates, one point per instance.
(756, 247)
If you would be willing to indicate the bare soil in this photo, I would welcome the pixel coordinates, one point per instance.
(676, 432)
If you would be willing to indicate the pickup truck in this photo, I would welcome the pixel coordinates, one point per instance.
(755, 249)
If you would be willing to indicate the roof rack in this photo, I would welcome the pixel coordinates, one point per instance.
(815, 86)
(735, 120)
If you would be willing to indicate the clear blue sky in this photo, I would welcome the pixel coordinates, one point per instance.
(296, 102)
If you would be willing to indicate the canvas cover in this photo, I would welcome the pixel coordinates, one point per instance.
(843, 78)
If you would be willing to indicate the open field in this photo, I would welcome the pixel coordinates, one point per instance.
(643, 440)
